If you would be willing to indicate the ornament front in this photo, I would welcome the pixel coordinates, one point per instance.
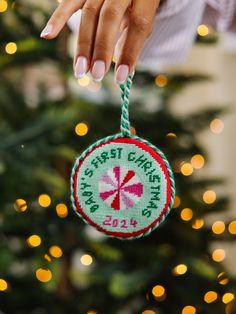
(123, 186)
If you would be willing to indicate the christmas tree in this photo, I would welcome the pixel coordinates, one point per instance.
(51, 262)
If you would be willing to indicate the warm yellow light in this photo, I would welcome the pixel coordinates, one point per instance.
(86, 260)
(148, 312)
(94, 86)
(3, 285)
(218, 255)
(84, 81)
(189, 310)
(209, 197)
(91, 312)
(198, 224)
(223, 280)
(34, 240)
(20, 205)
(218, 227)
(171, 135)
(81, 129)
(61, 210)
(161, 80)
(177, 201)
(44, 200)
(180, 269)
(47, 257)
(210, 296)
(43, 275)
(202, 30)
(158, 291)
(217, 126)
(186, 169)
(186, 214)
(3, 6)
(197, 161)
(227, 297)
(232, 227)
(11, 48)
(55, 251)
(133, 130)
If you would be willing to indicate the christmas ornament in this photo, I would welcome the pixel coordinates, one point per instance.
(122, 184)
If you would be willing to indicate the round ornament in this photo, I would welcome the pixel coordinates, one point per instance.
(122, 184)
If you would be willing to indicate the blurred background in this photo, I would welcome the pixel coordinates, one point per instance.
(50, 261)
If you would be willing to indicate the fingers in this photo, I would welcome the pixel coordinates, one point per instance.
(87, 33)
(60, 16)
(140, 26)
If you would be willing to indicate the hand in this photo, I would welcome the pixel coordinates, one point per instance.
(102, 21)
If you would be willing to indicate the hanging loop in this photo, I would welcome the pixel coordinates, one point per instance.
(124, 121)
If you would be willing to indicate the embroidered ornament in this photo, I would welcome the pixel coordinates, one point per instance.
(122, 184)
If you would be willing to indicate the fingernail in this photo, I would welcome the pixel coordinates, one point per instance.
(122, 73)
(98, 70)
(81, 67)
(46, 31)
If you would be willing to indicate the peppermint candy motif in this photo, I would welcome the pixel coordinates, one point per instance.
(120, 188)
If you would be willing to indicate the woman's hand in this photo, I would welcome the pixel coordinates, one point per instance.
(102, 21)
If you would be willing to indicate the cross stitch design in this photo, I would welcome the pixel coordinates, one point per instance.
(120, 188)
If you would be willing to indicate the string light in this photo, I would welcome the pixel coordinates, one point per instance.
(232, 227)
(227, 297)
(218, 227)
(198, 224)
(86, 259)
(186, 214)
(189, 310)
(44, 200)
(84, 81)
(171, 135)
(186, 169)
(197, 161)
(34, 240)
(20, 205)
(177, 201)
(210, 296)
(61, 210)
(91, 312)
(43, 275)
(11, 48)
(3, 6)
(223, 280)
(3, 285)
(158, 291)
(47, 257)
(217, 126)
(161, 80)
(180, 269)
(81, 129)
(202, 30)
(55, 251)
(209, 197)
(148, 312)
(218, 255)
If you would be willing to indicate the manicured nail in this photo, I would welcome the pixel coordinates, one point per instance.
(98, 70)
(46, 31)
(81, 67)
(122, 73)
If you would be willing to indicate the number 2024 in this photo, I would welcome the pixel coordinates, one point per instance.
(115, 222)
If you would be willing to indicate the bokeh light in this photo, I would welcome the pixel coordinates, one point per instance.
(44, 200)
(232, 227)
(3, 6)
(84, 81)
(177, 201)
(47, 257)
(158, 291)
(62, 210)
(11, 48)
(189, 310)
(218, 255)
(197, 161)
(222, 279)
(133, 130)
(202, 30)
(186, 169)
(210, 296)
(198, 223)
(218, 227)
(148, 312)
(55, 251)
(171, 135)
(186, 214)
(3, 285)
(209, 197)
(34, 240)
(180, 269)
(227, 297)
(217, 126)
(86, 259)
(20, 205)
(81, 129)
(161, 80)
(43, 275)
